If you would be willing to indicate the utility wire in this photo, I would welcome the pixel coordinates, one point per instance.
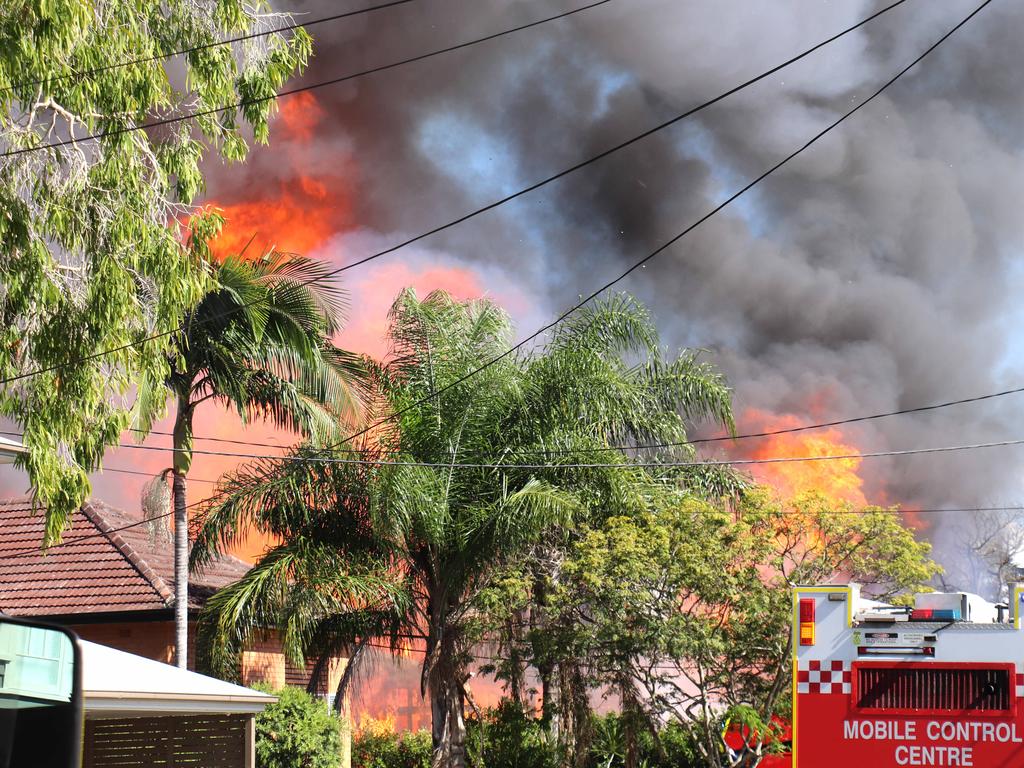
(478, 211)
(150, 475)
(36, 552)
(293, 91)
(686, 231)
(636, 266)
(645, 446)
(381, 462)
(206, 46)
(33, 552)
(638, 446)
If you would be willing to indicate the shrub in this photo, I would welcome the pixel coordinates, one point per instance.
(376, 745)
(511, 739)
(673, 749)
(298, 731)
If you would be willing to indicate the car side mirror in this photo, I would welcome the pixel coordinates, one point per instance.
(40, 695)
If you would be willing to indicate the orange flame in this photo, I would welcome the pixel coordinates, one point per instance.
(299, 217)
(299, 117)
(838, 479)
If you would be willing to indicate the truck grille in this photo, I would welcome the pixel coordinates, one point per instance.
(933, 689)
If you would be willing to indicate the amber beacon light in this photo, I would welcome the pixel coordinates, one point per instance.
(807, 621)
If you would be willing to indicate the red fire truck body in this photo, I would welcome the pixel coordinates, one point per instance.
(878, 686)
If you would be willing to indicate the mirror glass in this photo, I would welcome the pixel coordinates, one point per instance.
(36, 667)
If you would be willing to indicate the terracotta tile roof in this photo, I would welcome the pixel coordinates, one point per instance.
(98, 569)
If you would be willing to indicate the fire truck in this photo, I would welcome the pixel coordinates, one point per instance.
(939, 683)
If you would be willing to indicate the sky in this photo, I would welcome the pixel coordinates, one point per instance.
(876, 272)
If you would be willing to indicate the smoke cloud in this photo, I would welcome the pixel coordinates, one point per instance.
(876, 272)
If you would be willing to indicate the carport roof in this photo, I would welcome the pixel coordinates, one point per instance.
(116, 684)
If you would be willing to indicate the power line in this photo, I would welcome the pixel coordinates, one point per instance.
(382, 462)
(293, 91)
(150, 475)
(478, 211)
(682, 234)
(205, 46)
(786, 430)
(638, 446)
(695, 441)
(33, 552)
(670, 444)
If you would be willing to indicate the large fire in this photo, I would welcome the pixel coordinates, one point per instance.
(838, 479)
(298, 216)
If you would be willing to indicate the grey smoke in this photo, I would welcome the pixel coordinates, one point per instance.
(875, 273)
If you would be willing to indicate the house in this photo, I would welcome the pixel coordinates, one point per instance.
(139, 712)
(111, 580)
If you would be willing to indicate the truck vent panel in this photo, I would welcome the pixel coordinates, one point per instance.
(933, 690)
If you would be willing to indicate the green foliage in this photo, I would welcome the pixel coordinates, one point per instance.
(92, 255)
(684, 608)
(259, 341)
(390, 550)
(505, 737)
(297, 731)
(374, 748)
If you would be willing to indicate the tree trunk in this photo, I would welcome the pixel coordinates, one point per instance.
(182, 461)
(579, 706)
(551, 700)
(448, 726)
(180, 573)
(630, 726)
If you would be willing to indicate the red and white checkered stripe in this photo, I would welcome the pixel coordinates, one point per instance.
(1020, 683)
(816, 676)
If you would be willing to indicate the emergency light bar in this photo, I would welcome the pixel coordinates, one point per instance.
(934, 614)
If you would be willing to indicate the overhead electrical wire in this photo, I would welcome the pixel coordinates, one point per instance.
(647, 258)
(478, 211)
(140, 473)
(37, 552)
(645, 446)
(637, 446)
(383, 462)
(205, 46)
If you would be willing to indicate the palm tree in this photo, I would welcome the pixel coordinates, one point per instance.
(259, 342)
(402, 541)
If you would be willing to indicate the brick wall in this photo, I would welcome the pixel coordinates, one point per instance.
(150, 639)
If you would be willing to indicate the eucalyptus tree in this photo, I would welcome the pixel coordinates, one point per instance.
(258, 342)
(479, 460)
(91, 258)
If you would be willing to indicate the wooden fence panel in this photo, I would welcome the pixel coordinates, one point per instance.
(209, 741)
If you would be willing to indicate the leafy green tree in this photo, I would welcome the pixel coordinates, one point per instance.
(297, 730)
(684, 610)
(258, 342)
(90, 249)
(381, 549)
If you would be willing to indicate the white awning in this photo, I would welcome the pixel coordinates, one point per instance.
(119, 684)
(10, 450)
